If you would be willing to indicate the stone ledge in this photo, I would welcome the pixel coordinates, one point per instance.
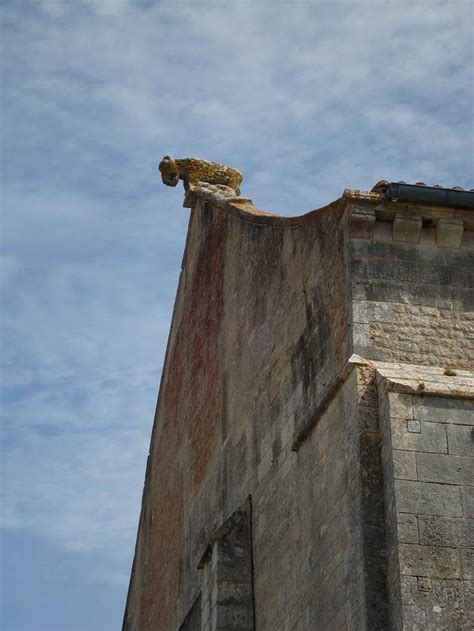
(397, 214)
(224, 198)
(363, 205)
(418, 379)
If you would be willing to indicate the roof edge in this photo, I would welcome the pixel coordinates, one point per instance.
(395, 192)
(244, 209)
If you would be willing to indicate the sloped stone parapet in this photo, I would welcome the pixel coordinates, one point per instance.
(260, 333)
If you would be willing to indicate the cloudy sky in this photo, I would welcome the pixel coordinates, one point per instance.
(306, 98)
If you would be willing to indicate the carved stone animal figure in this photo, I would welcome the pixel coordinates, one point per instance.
(195, 170)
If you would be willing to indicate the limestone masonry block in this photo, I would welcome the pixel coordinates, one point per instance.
(366, 312)
(362, 223)
(383, 231)
(432, 437)
(414, 427)
(445, 469)
(401, 406)
(413, 618)
(404, 465)
(361, 335)
(467, 494)
(407, 528)
(449, 233)
(467, 559)
(407, 228)
(444, 531)
(461, 440)
(416, 560)
(441, 410)
(426, 498)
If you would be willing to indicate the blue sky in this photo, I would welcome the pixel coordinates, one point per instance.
(306, 98)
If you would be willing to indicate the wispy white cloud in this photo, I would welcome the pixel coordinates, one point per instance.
(251, 82)
(83, 491)
(84, 338)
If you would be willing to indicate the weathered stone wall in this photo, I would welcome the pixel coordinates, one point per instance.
(227, 577)
(413, 292)
(425, 420)
(260, 338)
(404, 332)
(309, 569)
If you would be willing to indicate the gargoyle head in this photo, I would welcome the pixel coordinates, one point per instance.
(169, 171)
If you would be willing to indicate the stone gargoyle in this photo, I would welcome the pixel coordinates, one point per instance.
(194, 171)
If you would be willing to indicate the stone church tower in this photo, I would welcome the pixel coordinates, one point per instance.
(311, 462)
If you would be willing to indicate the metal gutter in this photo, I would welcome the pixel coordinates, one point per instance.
(398, 192)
